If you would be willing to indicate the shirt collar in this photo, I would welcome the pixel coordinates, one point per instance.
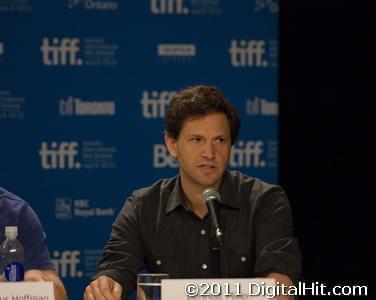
(176, 197)
(227, 191)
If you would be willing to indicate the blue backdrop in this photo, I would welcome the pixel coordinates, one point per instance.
(84, 86)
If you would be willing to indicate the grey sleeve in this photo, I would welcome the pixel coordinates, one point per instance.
(123, 254)
(276, 248)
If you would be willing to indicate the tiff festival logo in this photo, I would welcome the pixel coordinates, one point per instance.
(154, 104)
(66, 263)
(244, 154)
(168, 7)
(249, 53)
(59, 155)
(61, 52)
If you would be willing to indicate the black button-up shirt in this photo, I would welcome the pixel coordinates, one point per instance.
(156, 229)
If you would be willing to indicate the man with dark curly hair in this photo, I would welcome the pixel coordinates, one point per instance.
(167, 227)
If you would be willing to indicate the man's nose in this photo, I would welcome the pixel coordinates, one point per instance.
(209, 151)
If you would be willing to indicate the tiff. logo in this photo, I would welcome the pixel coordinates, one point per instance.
(248, 53)
(247, 154)
(66, 263)
(154, 104)
(168, 7)
(59, 155)
(61, 52)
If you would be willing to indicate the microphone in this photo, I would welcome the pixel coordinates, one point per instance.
(209, 196)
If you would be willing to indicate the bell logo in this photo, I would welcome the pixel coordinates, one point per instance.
(154, 104)
(161, 157)
(248, 53)
(168, 7)
(61, 52)
(245, 154)
(59, 155)
(66, 263)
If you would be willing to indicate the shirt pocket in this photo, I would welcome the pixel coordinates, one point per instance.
(164, 262)
(164, 256)
(239, 262)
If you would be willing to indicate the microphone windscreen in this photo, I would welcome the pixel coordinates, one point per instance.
(210, 194)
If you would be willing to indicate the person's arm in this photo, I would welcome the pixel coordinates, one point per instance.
(122, 257)
(277, 251)
(48, 275)
(103, 287)
(38, 265)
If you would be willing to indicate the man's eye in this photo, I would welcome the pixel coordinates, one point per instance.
(220, 140)
(196, 139)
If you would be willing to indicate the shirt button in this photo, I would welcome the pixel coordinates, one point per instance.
(203, 231)
(204, 266)
(158, 262)
(243, 259)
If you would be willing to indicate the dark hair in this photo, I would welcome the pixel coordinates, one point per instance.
(199, 101)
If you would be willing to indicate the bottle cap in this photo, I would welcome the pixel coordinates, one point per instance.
(11, 231)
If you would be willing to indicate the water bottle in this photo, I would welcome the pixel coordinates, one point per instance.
(12, 256)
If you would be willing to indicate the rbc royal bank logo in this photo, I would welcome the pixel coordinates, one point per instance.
(168, 7)
(59, 155)
(248, 53)
(61, 52)
(63, 208)
(154, 104)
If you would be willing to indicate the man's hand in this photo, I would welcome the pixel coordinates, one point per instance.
(281, 278)
(103, 288)
(48, 275)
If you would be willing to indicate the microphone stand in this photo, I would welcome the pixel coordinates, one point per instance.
(211, 197)
(219, 250)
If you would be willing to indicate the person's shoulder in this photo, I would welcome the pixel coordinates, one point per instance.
(155, 190)
(255, 185)
(11, 203)
(14, 211)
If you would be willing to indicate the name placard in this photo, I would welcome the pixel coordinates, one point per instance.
(218, 289)
(26, 290)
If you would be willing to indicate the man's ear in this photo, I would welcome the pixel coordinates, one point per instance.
(171, 145)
